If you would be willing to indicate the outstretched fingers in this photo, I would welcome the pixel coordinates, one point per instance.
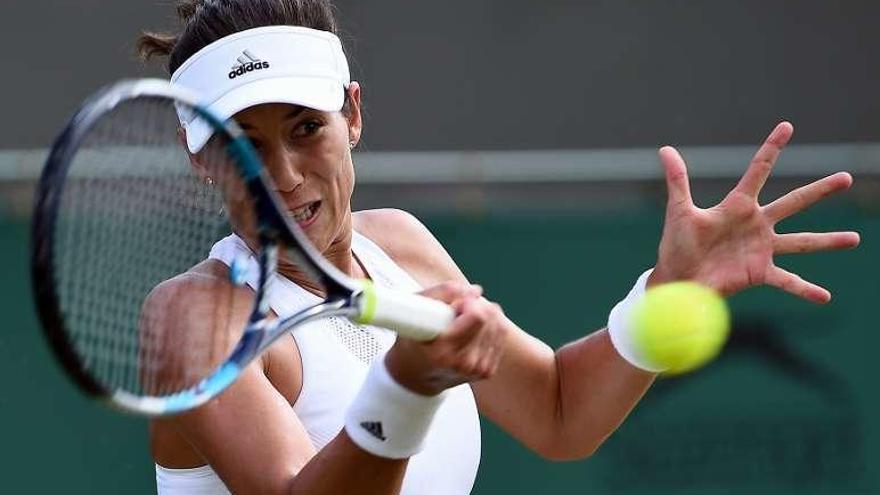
(762, 163)
(803, 197)
(793, 284)
(677, 184)
(809, 242)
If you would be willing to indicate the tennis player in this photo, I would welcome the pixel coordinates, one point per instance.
(295, 422)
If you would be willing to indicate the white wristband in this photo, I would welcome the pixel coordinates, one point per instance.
(388, 420)
(620, 329)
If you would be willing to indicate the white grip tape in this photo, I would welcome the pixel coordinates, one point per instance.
(388, 420)
(410, 315)
(620, 327)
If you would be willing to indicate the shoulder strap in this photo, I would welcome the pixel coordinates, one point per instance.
(384, 270)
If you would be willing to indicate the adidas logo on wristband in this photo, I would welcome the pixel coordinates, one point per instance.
(374, 428)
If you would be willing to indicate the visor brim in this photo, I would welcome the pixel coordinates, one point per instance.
(323, 94)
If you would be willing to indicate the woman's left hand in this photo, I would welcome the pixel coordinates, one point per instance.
(731, 246)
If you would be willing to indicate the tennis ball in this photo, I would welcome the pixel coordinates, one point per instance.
(680, 326)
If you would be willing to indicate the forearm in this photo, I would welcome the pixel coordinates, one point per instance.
(598, 383)
(276, 455)
(597, 389)
(561, 404)
(385, 425)
(342, 467)
(578, 395)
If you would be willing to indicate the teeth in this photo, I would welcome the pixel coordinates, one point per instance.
(305, 213)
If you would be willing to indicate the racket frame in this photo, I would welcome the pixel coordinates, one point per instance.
(345, 297)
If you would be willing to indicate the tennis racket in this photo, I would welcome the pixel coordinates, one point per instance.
(122, 207)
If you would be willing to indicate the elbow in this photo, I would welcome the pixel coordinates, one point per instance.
(562, 450)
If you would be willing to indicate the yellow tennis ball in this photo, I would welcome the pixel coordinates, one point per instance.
(680, 326)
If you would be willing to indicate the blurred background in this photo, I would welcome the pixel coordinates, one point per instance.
(522, 130)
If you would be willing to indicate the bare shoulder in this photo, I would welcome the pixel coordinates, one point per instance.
(192, 321)
(392, 229)
(185, 295)
(409, 243)
(206, 275)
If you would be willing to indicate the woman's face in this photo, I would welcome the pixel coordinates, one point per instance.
(307, 153)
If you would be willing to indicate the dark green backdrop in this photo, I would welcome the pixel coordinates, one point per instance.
(789, 408)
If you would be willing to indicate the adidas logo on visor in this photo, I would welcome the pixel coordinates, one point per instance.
(247, 62)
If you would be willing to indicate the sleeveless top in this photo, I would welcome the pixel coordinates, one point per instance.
(335, 357)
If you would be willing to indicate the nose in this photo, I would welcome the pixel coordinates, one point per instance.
(285, 171)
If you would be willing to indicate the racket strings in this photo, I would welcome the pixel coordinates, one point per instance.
(135, 213)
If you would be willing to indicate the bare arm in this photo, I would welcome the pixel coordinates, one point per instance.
(253, 440)
(564, 404)
(249, 434)
(561, 404)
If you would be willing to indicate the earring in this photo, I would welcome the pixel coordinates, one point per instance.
(209, 181)
(351, 145)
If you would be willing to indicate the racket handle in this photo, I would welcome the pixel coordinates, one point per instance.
(410, 315)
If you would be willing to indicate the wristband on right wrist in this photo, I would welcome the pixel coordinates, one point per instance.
(387, 419)
(621, 331)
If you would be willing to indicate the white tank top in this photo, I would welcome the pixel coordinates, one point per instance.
(335, 357)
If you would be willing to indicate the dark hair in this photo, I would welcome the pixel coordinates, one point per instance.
(206, 21)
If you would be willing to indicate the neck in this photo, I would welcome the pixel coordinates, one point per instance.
(338, 253)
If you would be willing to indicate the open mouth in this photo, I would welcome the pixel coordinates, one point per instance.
(306, 214)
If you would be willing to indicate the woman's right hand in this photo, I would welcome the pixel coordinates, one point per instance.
(469, 350)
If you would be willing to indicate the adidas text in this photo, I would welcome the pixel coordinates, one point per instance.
(248, 67)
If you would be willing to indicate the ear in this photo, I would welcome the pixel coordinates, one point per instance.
(197, 165)
(355, 124)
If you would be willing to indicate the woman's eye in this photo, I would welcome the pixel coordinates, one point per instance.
(308, 128)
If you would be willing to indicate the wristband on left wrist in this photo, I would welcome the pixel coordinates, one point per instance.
(620, 329)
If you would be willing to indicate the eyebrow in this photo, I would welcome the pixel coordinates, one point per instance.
(293, 114)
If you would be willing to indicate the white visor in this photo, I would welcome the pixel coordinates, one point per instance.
(274, 64)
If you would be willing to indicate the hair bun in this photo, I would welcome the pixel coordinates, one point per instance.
(206, 21)
(151, 45)
(187, 8)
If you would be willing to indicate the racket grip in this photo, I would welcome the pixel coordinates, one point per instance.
(410, 315)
